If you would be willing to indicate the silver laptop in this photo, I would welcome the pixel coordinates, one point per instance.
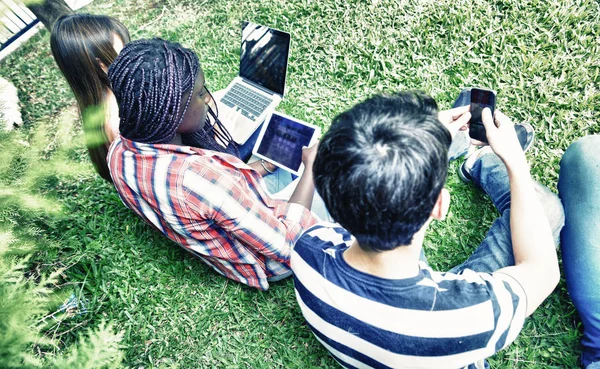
(260, 85)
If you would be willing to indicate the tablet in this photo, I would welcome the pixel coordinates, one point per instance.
(281, 141)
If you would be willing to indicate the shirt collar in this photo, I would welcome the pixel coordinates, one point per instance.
(141, 148)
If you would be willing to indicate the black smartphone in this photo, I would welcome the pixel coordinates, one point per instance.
(481, 98)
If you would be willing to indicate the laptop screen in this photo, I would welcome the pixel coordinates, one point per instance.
(264, 56)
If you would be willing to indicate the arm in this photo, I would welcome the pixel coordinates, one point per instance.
(536, 264)
(229, 205)
(305, 190)
(257, 166)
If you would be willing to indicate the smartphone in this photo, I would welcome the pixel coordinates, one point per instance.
(481, 98)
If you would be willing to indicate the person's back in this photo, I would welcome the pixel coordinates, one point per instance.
(363, 285)
(430, 320)
(177, 167)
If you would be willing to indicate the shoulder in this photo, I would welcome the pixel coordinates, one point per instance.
(319, 241)
(115, 151)
(203, 172)
(471, 283)
(323, 236)
(477, 282)
(496, 297)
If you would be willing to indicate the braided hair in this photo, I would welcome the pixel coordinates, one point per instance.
(150, 79)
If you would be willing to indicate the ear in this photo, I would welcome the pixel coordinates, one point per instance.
(102, 65)
(440, 209)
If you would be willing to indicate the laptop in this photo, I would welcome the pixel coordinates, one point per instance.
(260, 85)
(281, 141)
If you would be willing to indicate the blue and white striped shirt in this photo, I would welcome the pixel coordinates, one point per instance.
(434, 320)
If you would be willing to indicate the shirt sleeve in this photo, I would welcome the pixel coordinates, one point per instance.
(511, 301)
(269, 230)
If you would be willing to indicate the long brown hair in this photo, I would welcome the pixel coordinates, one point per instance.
(80, 43)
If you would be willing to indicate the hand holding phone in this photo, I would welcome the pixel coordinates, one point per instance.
(481, 98)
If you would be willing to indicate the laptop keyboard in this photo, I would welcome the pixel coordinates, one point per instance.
(250, 103)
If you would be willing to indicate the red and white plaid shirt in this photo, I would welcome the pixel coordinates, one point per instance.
(212, 204)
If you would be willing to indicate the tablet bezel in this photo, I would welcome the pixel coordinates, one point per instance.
(263, 129)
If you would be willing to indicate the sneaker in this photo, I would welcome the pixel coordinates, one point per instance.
(525, 134)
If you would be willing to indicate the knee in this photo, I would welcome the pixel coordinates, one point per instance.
(553, 208)
(582, 158)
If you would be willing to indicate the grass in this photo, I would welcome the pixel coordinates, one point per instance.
(541, 57)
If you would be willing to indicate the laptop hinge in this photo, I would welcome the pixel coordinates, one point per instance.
(263, 89)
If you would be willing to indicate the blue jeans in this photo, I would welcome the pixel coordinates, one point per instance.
(246, 148)
(281, 178)
(579, 189)
(495, 252)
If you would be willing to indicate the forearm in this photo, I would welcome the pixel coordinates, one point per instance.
(304, 192)
(257, 166)
(531, 234)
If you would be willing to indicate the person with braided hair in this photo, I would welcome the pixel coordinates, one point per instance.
(176, 166)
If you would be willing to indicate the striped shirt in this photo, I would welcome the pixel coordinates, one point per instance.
(212, 204)
(434, 320)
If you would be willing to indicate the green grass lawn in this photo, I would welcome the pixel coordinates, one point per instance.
(542, 58)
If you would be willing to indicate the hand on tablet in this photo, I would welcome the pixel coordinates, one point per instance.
(305, 190)
(309, 154)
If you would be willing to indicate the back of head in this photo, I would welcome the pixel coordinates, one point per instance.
(152, 81)
(381, 166)
(79, 42)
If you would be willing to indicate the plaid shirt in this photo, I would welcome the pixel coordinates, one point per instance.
(212, 204)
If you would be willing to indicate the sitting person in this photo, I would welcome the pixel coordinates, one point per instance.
(363, 285)
(177, 167)
(579, 190)
(84, 45)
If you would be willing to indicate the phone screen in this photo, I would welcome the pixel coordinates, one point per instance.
(480, 99)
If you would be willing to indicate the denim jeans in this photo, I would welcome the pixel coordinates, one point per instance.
(282, 183)
(246, 148)
(579, 190)
(495, 252)
(281, 186)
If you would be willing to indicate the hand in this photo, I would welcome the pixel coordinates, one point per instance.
(309, 154)
(455, 119)
(230, 117)
(501, 135)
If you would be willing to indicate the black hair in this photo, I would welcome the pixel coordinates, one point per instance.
(381, 167)
(149, 79)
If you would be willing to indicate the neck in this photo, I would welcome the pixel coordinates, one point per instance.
(176, 139)
(399, 263)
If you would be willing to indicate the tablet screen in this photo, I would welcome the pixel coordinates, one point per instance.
(283, 140)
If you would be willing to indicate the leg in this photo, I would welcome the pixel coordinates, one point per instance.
(277, 181)
(495, 252)
(579, 189)
(246, 148)
(318, 205)
(462, 141)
